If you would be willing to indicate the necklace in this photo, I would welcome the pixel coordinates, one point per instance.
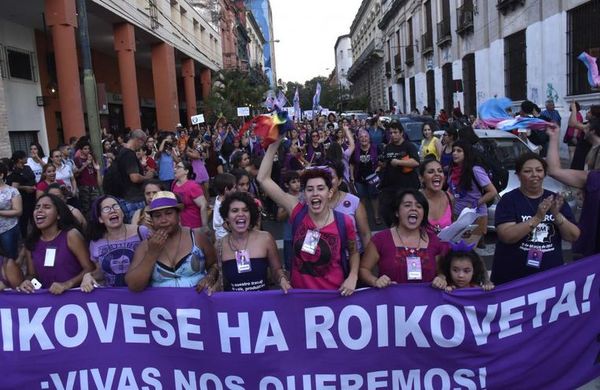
(236, 248)
(412, 249)
(319, 226)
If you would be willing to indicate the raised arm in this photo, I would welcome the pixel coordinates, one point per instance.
(570, 177)
(272, 189)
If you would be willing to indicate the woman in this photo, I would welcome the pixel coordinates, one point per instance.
(11, 208)
(315, 151)
(407, 252)
(246, 254)
(240, 160)
(112, 244)
(173, 256)
(141, 216)
(64, 172)
(36, 160)
(196, 153)
(430, 145)
(365, 170)
(573, 135)
(531, 223)
(448, 140)
(55, 253)
(350, 205)
(58, 191)
(440, 201)
(470, 185)
(23, 179)
(48, 177)
(146, 161)
(195, 206)
(319, 233)
(167, 157)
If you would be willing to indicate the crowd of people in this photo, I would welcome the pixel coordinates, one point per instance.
(185, 208)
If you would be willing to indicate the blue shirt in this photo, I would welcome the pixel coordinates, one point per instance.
(166, 171)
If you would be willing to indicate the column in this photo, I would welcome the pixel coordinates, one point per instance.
(124, 37)
(165, 86)
(61, 17)
(205, 79)
(188, 73)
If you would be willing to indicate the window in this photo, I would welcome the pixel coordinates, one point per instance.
(583, 31)
(20, 140)
(468, 67)
(430, 91)
(20, 64)
(448, 87)
(413, 94)
(515, 66)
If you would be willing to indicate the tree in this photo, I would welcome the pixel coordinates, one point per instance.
(233, 88)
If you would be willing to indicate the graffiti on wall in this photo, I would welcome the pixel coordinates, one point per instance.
(551, 93)
(535, 96)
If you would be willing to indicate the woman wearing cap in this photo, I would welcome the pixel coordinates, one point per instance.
(173, 256)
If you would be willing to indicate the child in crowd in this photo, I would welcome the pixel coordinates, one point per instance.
(462, 268)
(224, 184)
(291, 182)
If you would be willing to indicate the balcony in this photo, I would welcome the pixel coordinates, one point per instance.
(464, 19)
(388, 69)
(410, 55)
(444, 36)
(397, 62)
(505, 6)
(372, 53)
(427, 41)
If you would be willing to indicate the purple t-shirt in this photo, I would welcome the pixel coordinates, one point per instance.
(65, 265)
(464, 198)
(114, 257)
(392, 259)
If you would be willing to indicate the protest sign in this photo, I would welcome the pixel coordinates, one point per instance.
(243, 111)
(539, 332)
(197, 119)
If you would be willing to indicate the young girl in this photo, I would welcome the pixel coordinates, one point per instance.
(462, 268)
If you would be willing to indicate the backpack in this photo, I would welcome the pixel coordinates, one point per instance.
(341, 227)
(493, 167)
(112, 183)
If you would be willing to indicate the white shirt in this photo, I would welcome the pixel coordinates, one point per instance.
(220, 231)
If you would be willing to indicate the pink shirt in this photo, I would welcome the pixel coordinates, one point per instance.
(190, 215)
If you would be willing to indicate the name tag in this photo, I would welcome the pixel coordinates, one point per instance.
(413, 268)
(50, 257)
(311, 241)
(534, 257)
(242, 259)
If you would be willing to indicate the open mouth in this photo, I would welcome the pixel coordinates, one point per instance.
(240, 222)
(315, 203)
(413, 218)
(39, 219)
(114, 218)
(437, 181)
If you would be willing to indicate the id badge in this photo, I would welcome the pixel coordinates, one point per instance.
(311, 241)
(413, 268)
(534, 257)
(242, 260)
(50, 257)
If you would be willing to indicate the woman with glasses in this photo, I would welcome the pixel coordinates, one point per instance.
(315, 151)
(55, 253)
(64, 172)
(195, 206)
(112, 244)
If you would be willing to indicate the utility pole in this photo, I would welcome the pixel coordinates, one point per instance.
(89, 83)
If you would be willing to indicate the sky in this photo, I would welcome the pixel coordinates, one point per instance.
(307, 30)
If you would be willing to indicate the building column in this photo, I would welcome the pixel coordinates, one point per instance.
(205, 80)
(165, 86)
(61, 17)
(188, 73)
(124, 37)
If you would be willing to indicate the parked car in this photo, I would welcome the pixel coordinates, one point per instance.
(358, 115)
(507, 148)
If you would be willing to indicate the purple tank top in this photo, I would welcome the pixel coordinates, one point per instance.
(66, 266)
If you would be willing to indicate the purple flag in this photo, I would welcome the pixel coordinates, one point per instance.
(317, 97)
(540, 332)
(592, 67)
(493, 113)
(297, 111)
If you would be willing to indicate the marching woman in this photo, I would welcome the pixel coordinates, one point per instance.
(112, 244)
(173, 256)
(55, 253)
(407, 252)
(364, 172)
(244, 255)
(195, 206)
(319, 234)
(440, 201)
(430, 145)
(48, 178)
(11, 208)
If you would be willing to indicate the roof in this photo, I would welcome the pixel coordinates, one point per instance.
(337, 41)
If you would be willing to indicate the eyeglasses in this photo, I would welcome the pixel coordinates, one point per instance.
(108, 209)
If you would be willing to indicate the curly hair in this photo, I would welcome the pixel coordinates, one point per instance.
(479, 271)
(315, 173)
(245, 198)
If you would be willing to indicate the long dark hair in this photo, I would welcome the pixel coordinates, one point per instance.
(65, 221)
(95, 229)
(466, 178)
(479, 270)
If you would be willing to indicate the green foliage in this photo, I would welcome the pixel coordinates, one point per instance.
(234, 88)
(330, 96)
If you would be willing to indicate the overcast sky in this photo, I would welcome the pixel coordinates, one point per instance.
(307, 31)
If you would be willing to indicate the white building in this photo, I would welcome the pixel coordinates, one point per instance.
(343, 60)
(257, 42)
(458, 53)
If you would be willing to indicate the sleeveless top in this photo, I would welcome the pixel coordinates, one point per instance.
(446, 159)
(348, 205)
(253, 280)
(445, 220)
(428, 147)
(190, 269)
(65, 267)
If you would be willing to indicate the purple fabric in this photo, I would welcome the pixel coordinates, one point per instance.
(540, 333)
(592, 67)
(589, 240)
(66, 266)
(162, 202)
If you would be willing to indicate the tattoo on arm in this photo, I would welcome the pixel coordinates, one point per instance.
(351, 247)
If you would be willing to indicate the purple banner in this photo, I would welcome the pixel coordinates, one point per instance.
(537, 333)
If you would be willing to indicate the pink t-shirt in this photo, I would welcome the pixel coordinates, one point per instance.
(190, 215)
(323, 270)
(392, 259)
